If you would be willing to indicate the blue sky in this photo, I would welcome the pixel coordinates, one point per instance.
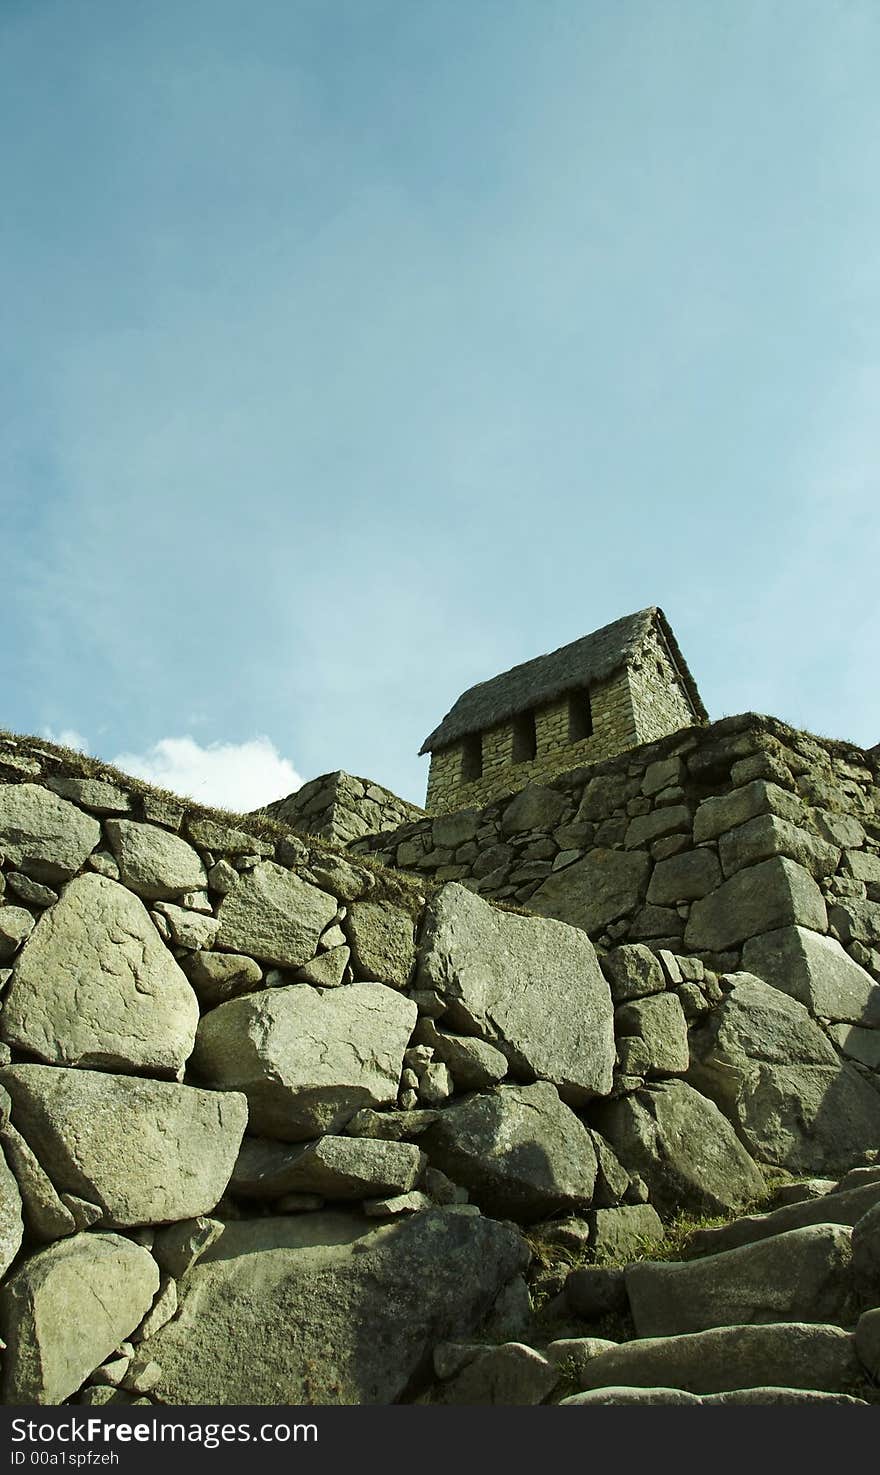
(356, 350)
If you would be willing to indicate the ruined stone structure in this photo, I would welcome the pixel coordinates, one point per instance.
(393, 1118)
(341, 807)
(625, 684)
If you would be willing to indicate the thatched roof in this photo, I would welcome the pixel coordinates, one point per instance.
(590, 659)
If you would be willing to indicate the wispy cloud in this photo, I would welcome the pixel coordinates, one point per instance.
(68, 737)
(238, 776)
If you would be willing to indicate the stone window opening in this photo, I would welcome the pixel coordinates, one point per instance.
(580, 715)
(525, 742)
(472, 758)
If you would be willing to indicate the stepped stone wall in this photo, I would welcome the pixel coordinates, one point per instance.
(340, 807)
(280, 1126)
(700, 843)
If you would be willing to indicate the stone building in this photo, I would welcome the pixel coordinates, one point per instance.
(625, 684)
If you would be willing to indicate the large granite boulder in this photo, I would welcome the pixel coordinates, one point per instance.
(787, 1355)
(804, 1275)
(777, 1077)
(659, 1024)
(143, 1152)
(273, 915)
(66, 1309)
(680, 1144)
(153, 863)
(816, 971)
(592, 892)
(723, 812)
(334, 1167)
(530, 986)
(42, 835)
(95, 985)
(776, 893)
(520, 1152)
(839, 1207)
(307, 1059)
(382, 942)
(325, 1309)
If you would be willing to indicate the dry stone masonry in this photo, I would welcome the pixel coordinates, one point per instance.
(415, 1115)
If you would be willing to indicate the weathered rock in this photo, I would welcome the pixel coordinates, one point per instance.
(816, 971)
(790, 1355)
(273, 915)
(519, 1151)
(45, 1215)
(91, 793)
(335, 1167)
(571, 1354)
(161, 1311)
(857, 1044)
(16, 924)
(346, 881)
(767, 835)
(307, 1060)
(724, 812)
(778, 1079)
(684, 877)
(633, 972)
(178, 1248)
(762, 898)
(594, 891)
(328, 969)
(856, 921)
(530, 986)
(673, 819)
(66, 1310)
(152, 863)
(390, 1126)
(686, 1151)
(382, 942)
(11, 1223)
(534, 808)
(474, 1063)
(623, 1232)
(33, 892)
(512, 1375)
(660, 1024)
(867, 1338)
(42, 835)
(397, 1206)
(188, 928)
(367, 1304)
(211, 834)
(595, 1291)
(800, 1191)
(601, 1397)
(612, 1179)
(145, 1151)
(831, 1208)
(866, 1255)
(804, 1275)
(95, 985)
(217, 977)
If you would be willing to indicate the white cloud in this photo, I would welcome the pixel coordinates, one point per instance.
(68, 737)
(238, 776)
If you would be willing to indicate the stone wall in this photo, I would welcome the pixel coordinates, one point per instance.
(639, 703)
(340, 807)
(699, 842)
(659, 701)
(614, 729)
(270, 1114)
